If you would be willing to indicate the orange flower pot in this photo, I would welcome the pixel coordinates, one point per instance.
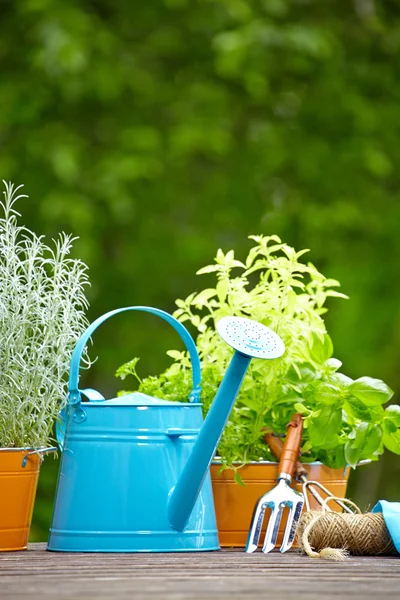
(17, 495)
(234, 503)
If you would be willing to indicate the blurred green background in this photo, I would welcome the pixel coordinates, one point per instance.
(160, 131)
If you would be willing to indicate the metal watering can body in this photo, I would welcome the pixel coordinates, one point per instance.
(134, 470)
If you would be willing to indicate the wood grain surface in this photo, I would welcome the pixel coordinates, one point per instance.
(39, 574)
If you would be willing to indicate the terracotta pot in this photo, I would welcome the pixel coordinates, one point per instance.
(234, 503)
(17, 495)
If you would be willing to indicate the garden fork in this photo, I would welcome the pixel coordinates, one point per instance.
(276, 446)
(280, 497)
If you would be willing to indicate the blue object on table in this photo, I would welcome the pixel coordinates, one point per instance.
(391, 514)
(134, 470)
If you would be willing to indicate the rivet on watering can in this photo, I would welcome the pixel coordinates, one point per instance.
(79, 415)
(195, 395)
(74, 398)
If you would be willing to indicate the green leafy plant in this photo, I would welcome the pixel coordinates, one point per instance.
(344, 420)
(42, 314)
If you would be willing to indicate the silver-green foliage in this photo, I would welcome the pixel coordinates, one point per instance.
(344, 419)
(42, 314)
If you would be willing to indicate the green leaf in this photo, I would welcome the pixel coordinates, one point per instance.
(208, 269)
(360, 435)
(333, 458)
(358, 410)
(238, 479)
(196, 320)
(296, 370)
(297, 284)
(321, 350)
(301, 252)
(393, 414)
(389, 426)
(333, 364)
(326, 393)
(352, 454)
(331, 283)
(175, 354)
(323, 429)
(128, 368)
(373, 440)
(174, 369)
(370, 391)
(250, 402)
(392, 441)
(222, 289)
(300, 408)
(238, 263)
(289, 251)
(335, 294)
(220, 256)
(343, 380)
(204, 295)
(367, 438)
(322, 392)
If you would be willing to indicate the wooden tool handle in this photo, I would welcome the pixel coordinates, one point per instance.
(291, 446)
(276, 446)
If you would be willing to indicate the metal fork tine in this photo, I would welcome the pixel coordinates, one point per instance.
(288, 529)
(256, 526)
(273, 528)
(291, 525)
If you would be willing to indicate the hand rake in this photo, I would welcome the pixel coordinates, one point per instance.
(280, 497)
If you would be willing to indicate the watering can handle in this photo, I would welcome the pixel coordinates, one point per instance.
(75, 394)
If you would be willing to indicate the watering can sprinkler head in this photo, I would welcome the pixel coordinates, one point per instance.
(250, 339)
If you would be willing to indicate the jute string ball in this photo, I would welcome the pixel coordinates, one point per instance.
(332, 535)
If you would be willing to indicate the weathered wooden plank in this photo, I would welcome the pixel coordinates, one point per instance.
(194, 576)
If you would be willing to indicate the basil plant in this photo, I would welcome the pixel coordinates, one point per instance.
(344, 420)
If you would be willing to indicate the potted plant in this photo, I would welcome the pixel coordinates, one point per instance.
(344, 420)
(42, 314)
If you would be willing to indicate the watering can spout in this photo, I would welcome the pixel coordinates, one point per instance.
(187, 489)
(249, 339)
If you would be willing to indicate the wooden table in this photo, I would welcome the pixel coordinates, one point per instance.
(215, 575)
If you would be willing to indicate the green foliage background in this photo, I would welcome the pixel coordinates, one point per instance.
(159, 131)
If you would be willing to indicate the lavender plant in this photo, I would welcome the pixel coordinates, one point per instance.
(42, 314)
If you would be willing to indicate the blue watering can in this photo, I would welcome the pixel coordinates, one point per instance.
(134, 470)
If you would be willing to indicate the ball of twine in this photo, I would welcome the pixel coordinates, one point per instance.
(332, 535)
